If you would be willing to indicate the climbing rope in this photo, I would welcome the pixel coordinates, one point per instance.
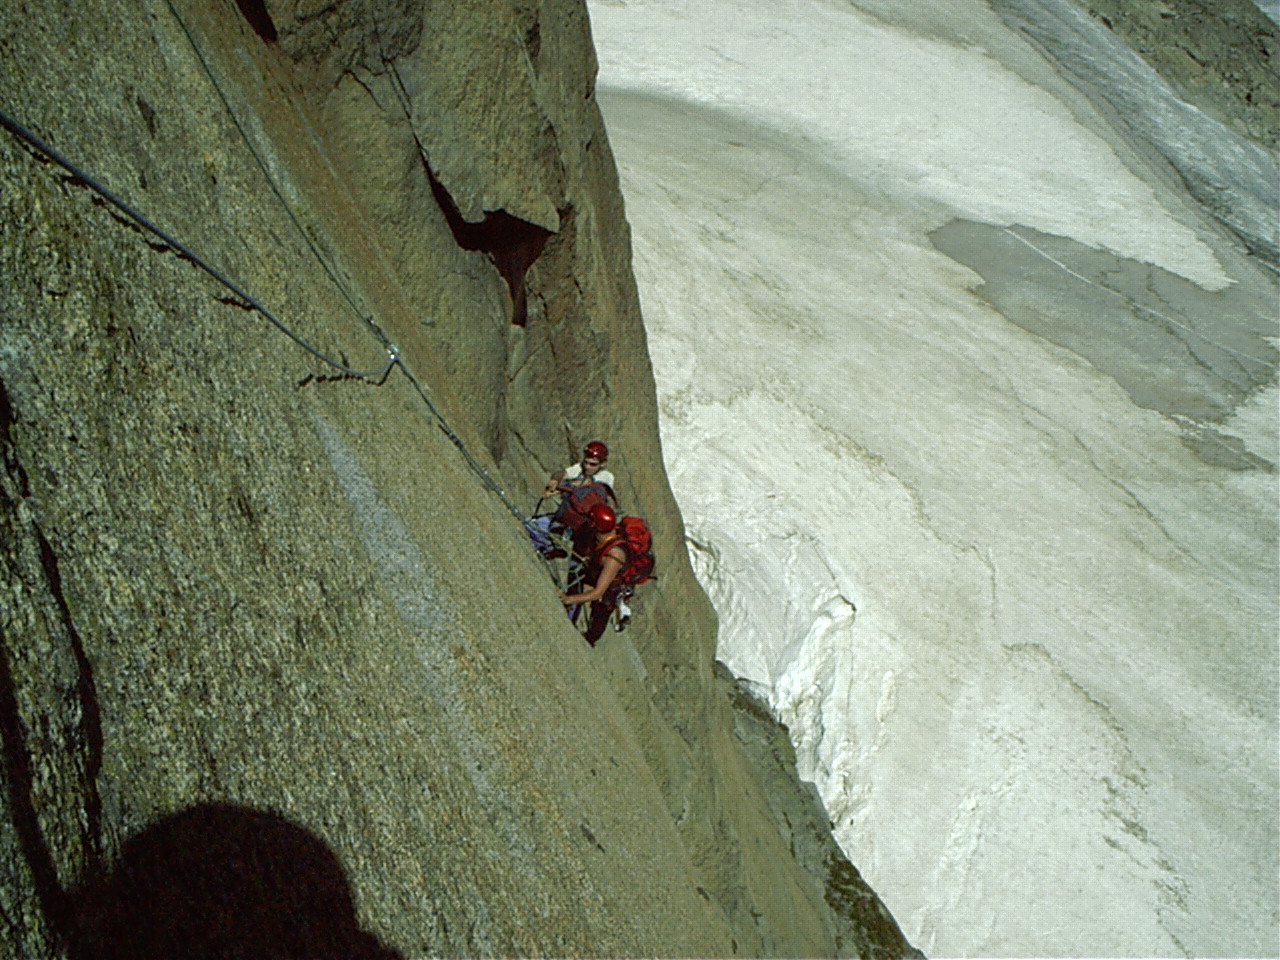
(266, 174)
(378, 376)
(474, 464)
(187, 253)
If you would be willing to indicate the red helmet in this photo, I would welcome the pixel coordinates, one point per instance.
(597, 450)
(603, 518)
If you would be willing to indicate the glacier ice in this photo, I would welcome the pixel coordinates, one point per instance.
(1022, 627)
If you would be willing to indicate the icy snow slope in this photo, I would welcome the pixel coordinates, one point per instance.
(971, 413)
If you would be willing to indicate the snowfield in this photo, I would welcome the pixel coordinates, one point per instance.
(993, 529)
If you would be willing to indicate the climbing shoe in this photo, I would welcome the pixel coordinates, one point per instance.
(623, 615)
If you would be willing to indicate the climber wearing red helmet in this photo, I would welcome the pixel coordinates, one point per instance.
(580, 487)
(589, 468)
(604, 563)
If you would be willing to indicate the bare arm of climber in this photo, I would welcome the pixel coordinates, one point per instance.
(613, 562)
(553, 484)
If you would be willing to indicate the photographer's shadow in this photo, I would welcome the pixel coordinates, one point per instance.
(216, 882)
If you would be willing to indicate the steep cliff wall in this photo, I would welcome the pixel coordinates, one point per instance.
(1221, 56)
(276, 663)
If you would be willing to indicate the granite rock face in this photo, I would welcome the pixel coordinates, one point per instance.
(269, 635)
(864, 926)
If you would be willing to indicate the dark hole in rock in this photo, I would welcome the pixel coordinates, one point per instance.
(513, 244)
(255, 12)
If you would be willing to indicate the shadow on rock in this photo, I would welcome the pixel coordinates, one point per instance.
(221, 881)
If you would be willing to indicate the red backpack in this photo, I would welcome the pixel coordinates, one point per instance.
(577, 502)
(637, 541)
